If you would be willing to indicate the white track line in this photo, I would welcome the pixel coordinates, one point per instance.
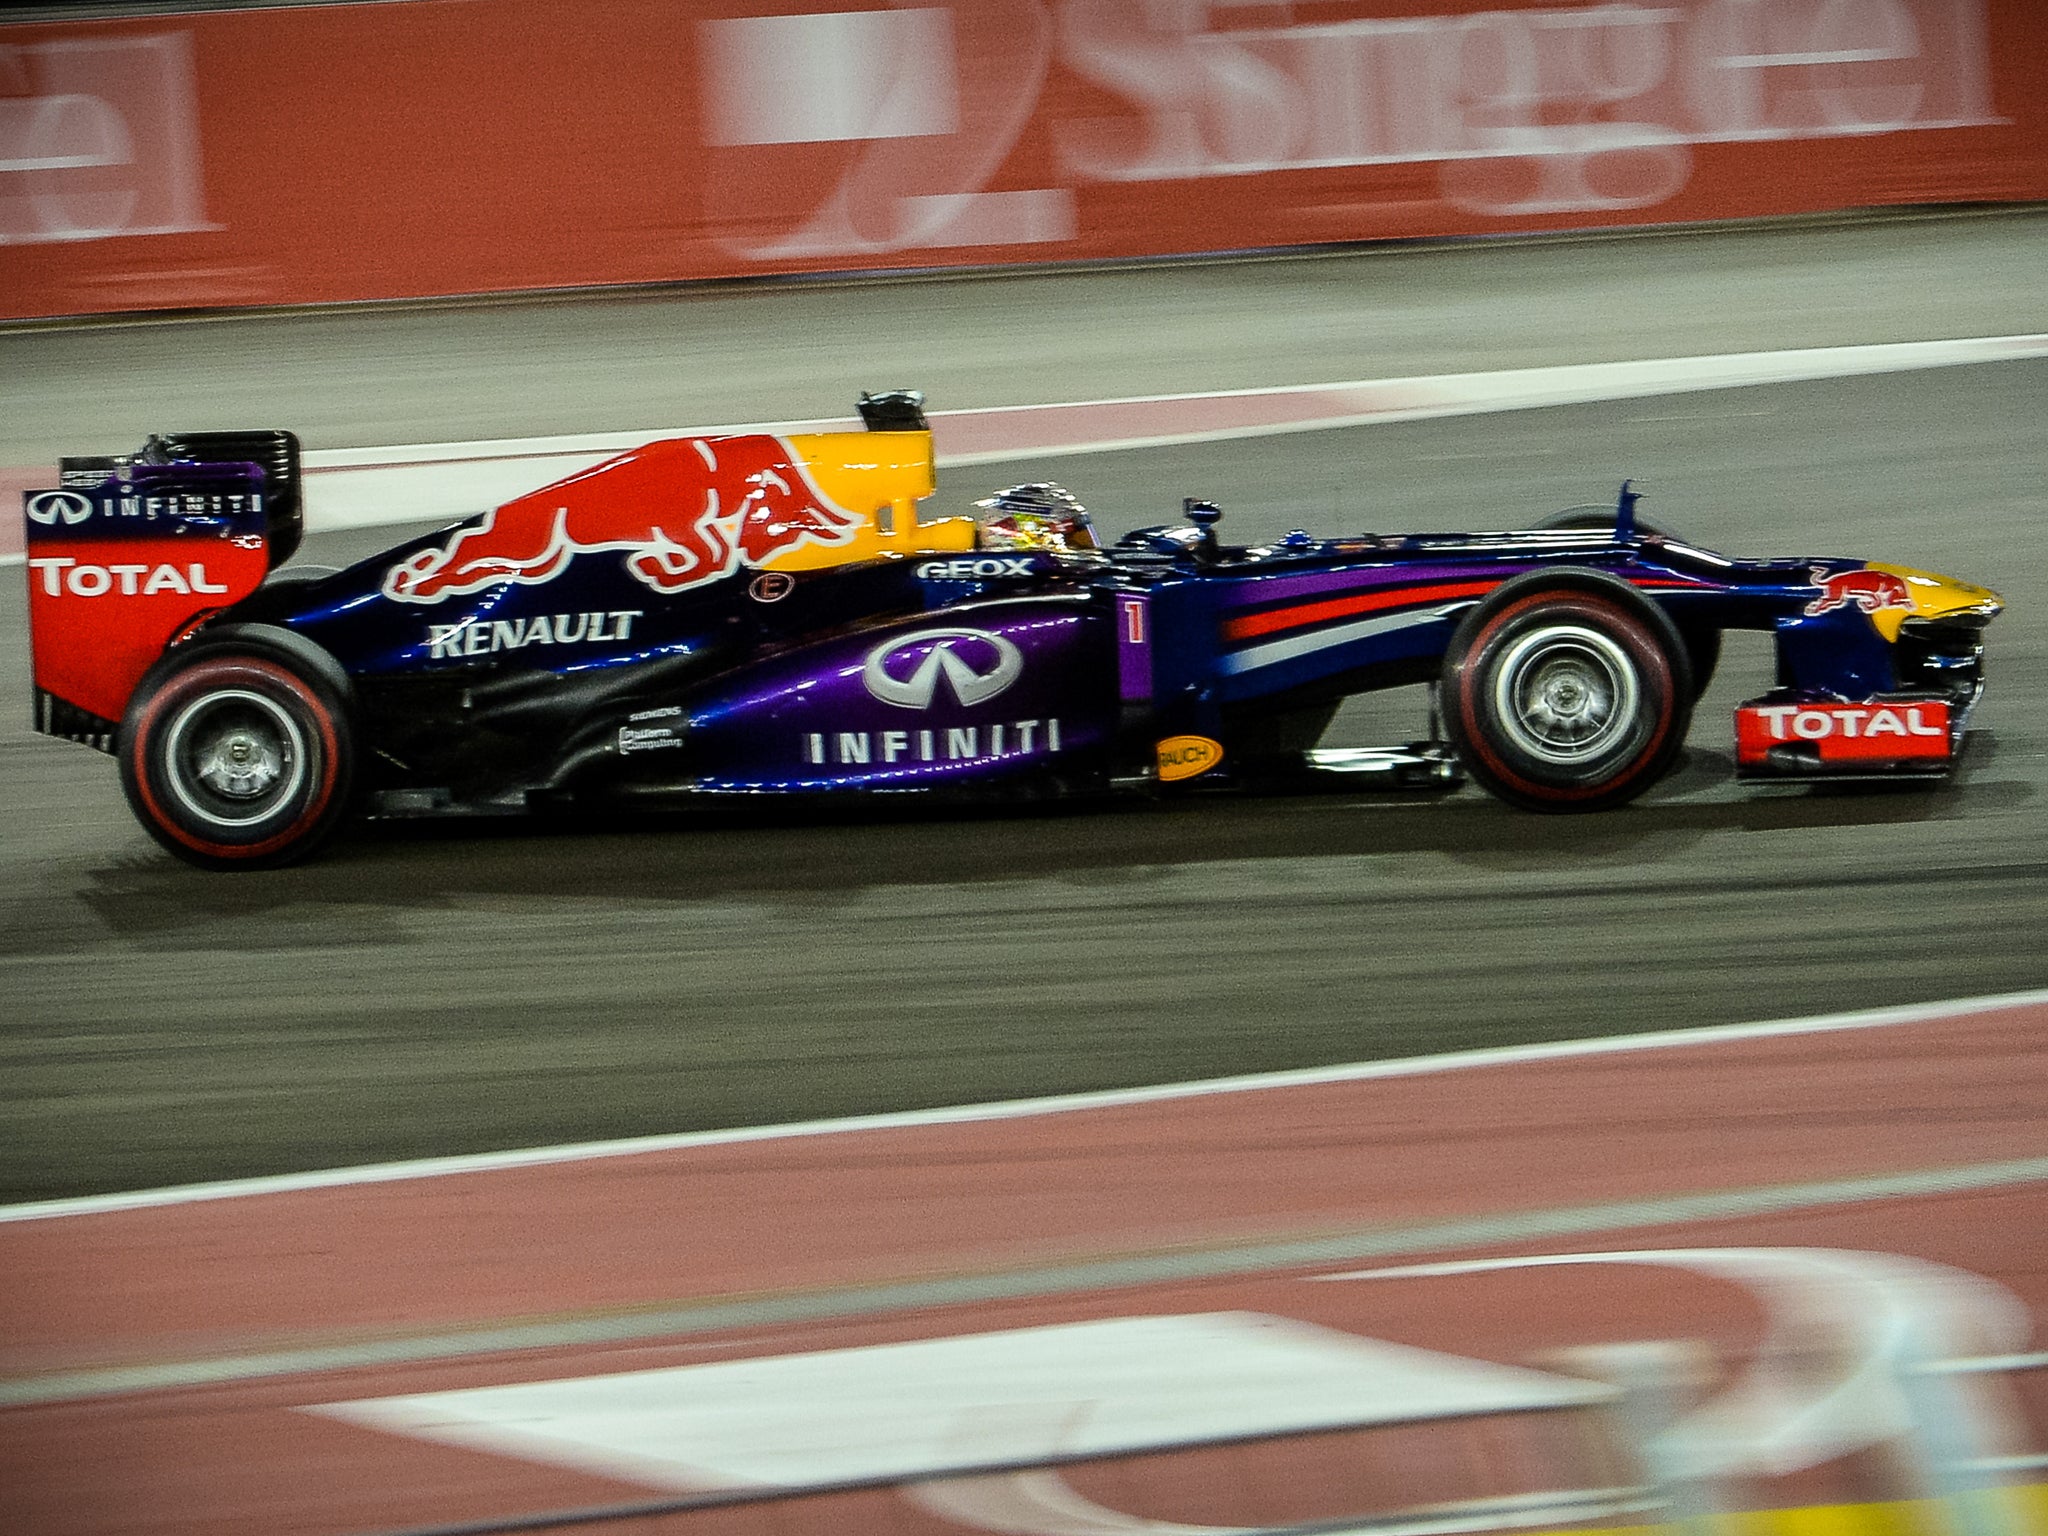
(1177, 1265)
(368, 487)
(375, 487)
(1320, 407)
(1017, 1109)
(1008, 431)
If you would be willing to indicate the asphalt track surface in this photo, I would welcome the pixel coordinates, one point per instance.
(423, 991)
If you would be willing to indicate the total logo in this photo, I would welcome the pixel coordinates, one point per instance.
(64, 576)
(1804, 722)
(1845, 733)
(974, 664)
(980, 568)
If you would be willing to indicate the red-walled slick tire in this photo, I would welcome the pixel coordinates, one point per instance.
(1702, 642)
(236, 760)
(1567, 691)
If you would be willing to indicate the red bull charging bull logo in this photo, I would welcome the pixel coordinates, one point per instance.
(684, 512)
(1868, 590)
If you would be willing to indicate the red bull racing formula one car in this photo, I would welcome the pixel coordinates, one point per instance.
(756, 614)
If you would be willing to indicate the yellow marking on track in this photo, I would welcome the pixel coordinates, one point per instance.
(2023, 1509)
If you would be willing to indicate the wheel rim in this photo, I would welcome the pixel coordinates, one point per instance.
(1566, 694)
(235, 757)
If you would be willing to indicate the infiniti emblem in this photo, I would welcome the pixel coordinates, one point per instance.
(47, 506)
(975, 664)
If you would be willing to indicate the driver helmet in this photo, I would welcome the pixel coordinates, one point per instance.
(1035, 516)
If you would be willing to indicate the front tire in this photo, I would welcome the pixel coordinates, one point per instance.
(1702, 644)
(1567, 691)
(237, 759)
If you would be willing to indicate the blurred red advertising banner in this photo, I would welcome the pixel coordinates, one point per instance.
(332, 153)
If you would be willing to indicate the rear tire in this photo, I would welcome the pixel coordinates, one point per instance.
(1567, 691)
(235, 759)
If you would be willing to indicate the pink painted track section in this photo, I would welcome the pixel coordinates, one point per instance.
(781, 1218)
(13, 482)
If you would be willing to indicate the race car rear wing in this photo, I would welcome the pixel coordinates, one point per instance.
(276, 454)
(126, 553)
